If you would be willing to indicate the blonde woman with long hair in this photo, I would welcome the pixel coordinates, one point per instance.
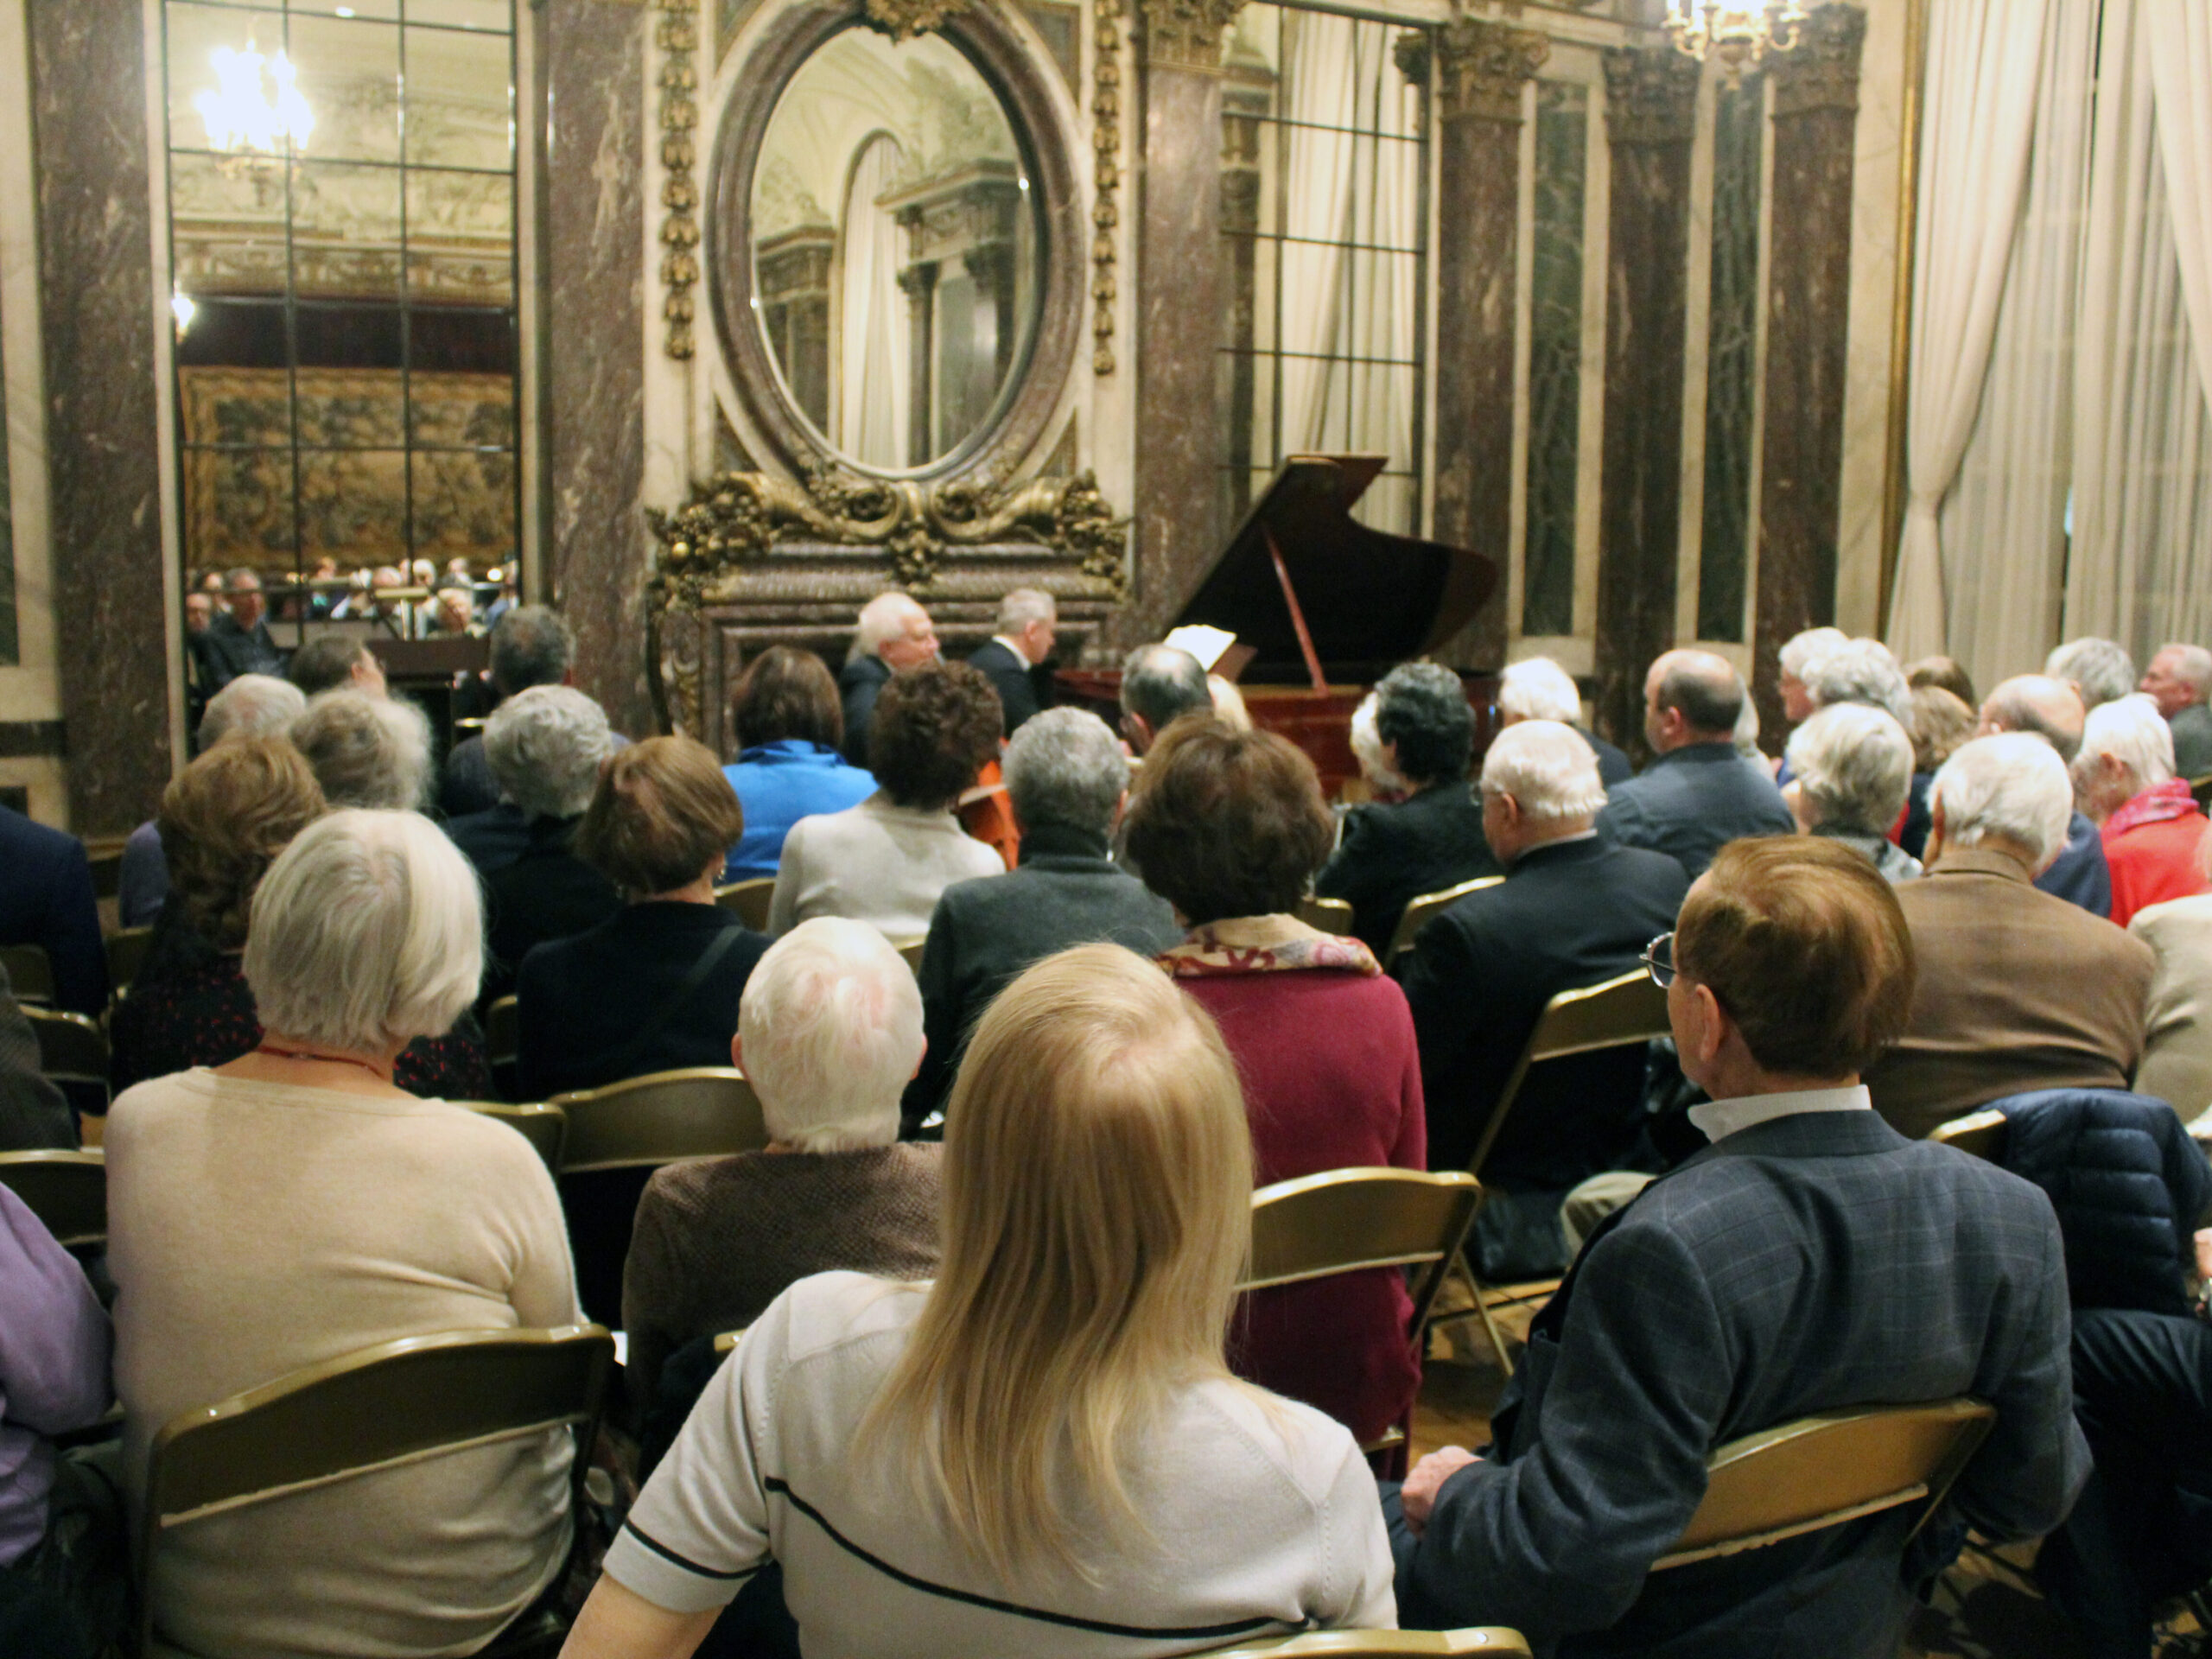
(1042, 1452)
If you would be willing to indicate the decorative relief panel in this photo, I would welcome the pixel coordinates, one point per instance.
(678, 38)
(1481, 67)
(1185, 34)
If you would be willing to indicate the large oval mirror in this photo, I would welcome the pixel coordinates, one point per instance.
(894, 248)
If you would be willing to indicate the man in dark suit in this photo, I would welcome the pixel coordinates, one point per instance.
(1027, 618)
(1573, 910)
(45, 899)
(1809, 1260)
(2052, 710)
(1066, 778)
(1698, 794)
(237, 641)
(894, 632)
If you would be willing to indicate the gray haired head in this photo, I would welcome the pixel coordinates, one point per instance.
(545, 747)
(1065, 766)
(252, 705)
(530, 645)
(2098, 669)
(1159, 683)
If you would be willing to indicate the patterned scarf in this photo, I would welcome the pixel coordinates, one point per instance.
(2171, 799)
(1264, 944)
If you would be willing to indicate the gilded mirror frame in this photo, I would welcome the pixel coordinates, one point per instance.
(1020, 420)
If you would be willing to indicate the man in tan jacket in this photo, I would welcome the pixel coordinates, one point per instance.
(2017, 990)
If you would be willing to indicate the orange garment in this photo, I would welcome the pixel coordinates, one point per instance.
(987, 814)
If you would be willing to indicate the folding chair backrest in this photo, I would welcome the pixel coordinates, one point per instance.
(1818, 1471)
(1328, 915)
(1344, 1220)
(71, 1048)
(910, 951)
(1619, 1012)
(2201, 789)
(126, 954)
(67, 1191)
(546, 1127)
(1981, 1134)
(1427, 908)
(701, 1111)
(1379, 1644)
(30, 973)
(748, 901)
(502, 1032)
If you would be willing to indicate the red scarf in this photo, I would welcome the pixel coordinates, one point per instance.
(2171, 799)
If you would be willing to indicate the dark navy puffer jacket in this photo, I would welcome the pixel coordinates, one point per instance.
(2128, 1184)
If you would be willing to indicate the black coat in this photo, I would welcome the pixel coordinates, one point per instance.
(1012, 676)
(545, 893)
(1391, 854)
(1571, 914)
(45, 899)
(227, 651)
(1612, 764)
(858, 682)
(1692, 802)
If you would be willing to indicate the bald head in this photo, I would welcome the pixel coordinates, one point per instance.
(1691, 696)
(2039, 704)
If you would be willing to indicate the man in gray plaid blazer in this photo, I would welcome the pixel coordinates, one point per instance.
(1810, 1259)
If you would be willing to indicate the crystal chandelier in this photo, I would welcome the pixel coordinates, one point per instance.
(1738, 35)
(240, 114)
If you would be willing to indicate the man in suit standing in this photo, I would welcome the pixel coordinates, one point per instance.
(1698, 794)
(2018, 990)
(1809, 1260)
(1573, 910)
(894, 632)
(1027, 618)
(2052, 709)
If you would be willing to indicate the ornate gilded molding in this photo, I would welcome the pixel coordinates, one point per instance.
(1650, 95)
(1481, 67)
(904, 19)
(1820, 72)
(1186, 32)
(678, 39)
(1106, 162)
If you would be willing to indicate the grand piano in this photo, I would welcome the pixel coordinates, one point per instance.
(1323, 606)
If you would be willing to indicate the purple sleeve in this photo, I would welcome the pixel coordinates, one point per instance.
(53, 1333)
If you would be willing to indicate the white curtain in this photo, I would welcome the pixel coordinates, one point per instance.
(2003, 525)
(874, 373)
(1984, 58)
(1381, 319)
(2181, 67)
(1319, 86)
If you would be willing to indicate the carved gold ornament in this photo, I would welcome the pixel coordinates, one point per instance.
(904, 19)
(1106, 148)
(1186, 32)
(678, 39)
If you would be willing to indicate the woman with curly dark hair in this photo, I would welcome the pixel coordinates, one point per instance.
(886, 861)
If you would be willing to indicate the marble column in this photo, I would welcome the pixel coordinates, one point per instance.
(1182, 273)
(1480, 70)
(1809, 310)
(102, 434)
(591, 54)
(1650, 105)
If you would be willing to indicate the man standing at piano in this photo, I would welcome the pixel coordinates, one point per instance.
(1028, 620)
(894, 632)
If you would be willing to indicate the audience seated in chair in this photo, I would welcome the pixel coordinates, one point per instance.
(2177, 679)
(892, 634)
(1797, 651)
(829, 1031)
(236, 640)
(1810, 1260)
(2100, 670)
(295, 1205)
(366, 752)
(2017, 990)
(223, 819)
(1041, 1452)
(333, 661)
(1390, 854)
(2177, 1022)
(1067, 780)
(1941, 720)
(45, 899)
(1573, 911)
(2052, 710)
(1160, 685)
(2151, 825)
(1851, 769)
(545, 747)
(1536, 688)
(1229, 828)
(531, 644)
(34, 1116)
(785, 714)
(886, 861)
(1698, 794)
(252, 705)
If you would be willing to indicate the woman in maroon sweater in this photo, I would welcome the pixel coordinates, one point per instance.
(1229, 827)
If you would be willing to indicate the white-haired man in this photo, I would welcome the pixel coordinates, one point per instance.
(1574, 910)
(2101, 670)
(2124, 779)
(829, 1031)
(2052, 710)
(2017, 990)
(2177, 680)
(1028, 622)
(1536, 688)
(894, 632)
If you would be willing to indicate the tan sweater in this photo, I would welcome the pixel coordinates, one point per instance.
(254, 1229)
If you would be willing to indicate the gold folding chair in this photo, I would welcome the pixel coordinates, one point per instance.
(700, 1111)
(546, 1127)
(502, 1033)
(727, 1342)
(67, 1191)
(126, 954)
(1344, 1220)
(1981, 1134)
(391, 1404)
(31, 973)
(1379, 1644)
(1427, 908)
(71, 1048)
(2201, 789)
(910, 951)
(748, 901)
(1328, 915)
(1820, 1470)
(1624, 1011)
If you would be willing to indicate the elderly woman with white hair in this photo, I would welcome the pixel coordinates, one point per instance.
(829, 1031)
(1536, 688)
(2149, 822)
(295, 1205)
(366, 752)
(1853, 768)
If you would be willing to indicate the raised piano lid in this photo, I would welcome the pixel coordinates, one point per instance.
(1371, 599)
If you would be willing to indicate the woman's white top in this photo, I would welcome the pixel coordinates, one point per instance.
(877, 863)
(1264, 1513)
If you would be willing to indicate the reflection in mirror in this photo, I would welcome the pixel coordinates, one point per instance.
(895, 247)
